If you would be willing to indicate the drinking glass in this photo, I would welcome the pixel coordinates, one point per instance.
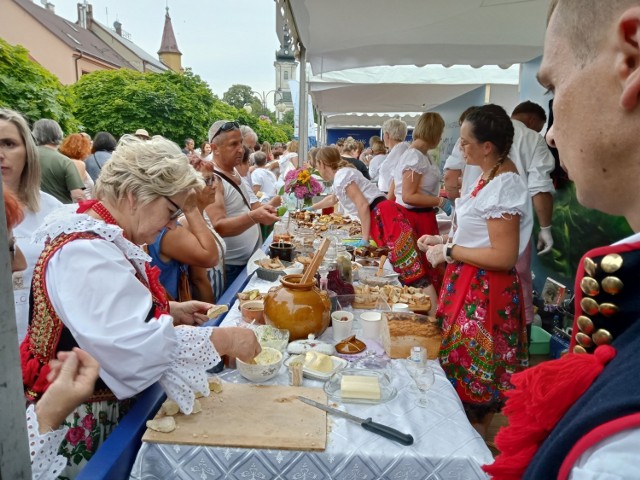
(424, 378)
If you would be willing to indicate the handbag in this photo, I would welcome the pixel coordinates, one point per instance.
(184, 285)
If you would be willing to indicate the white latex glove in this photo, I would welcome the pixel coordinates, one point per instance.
(435, 254)
(545, 240)
(426, 240)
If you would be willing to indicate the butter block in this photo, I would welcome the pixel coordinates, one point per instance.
(318, 361)
(359, 386)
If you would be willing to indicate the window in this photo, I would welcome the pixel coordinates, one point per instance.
(286, 75)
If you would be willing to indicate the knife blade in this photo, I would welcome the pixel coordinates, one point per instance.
(366, 423)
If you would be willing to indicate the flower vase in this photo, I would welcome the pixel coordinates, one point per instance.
(304, 203)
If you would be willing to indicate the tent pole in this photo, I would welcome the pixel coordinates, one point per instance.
(303, 123)
(14, 443)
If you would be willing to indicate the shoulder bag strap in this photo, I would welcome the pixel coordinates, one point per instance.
(234, 185)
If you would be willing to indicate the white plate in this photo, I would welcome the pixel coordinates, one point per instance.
(337, 364)
(387, 391)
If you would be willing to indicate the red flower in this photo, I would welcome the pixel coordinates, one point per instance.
(465, 360)
(88, 442)
(89, 422)
(500, 345)
(75, 435)
(454, 356)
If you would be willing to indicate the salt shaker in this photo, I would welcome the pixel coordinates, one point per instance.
(419, 355)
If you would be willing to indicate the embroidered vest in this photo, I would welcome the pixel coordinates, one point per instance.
(608, 311)
(47, 334)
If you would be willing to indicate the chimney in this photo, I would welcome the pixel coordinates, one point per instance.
(118, 27)
(48, 5)
(89, 11)
(82, 15)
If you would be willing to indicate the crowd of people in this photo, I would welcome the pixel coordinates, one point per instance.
(79, 213)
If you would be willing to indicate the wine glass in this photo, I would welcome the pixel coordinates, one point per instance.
(424, 378)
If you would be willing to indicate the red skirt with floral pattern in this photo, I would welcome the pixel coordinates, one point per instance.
(484, 339)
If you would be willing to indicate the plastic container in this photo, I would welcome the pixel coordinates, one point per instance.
(539, 341)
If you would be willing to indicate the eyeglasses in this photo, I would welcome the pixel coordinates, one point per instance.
(12, 248)
(225, 127)
(209, 181)
(178, 211)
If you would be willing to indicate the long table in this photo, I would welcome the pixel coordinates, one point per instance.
(446, 446)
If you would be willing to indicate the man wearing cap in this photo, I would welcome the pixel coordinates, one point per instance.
(142, 133)
(231, 213)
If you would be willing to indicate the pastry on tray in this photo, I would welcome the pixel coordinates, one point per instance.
(367, 296)
(350, 345)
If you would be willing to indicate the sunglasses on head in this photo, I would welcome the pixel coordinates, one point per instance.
(225, 127)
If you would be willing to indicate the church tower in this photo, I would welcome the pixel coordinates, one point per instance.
(286, 67)
(169, 53)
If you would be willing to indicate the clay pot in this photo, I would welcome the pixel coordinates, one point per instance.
(282, 250)
(300, 308)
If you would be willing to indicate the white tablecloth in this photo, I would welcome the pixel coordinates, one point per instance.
(446, 446)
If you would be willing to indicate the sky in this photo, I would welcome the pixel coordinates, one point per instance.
(226, 42)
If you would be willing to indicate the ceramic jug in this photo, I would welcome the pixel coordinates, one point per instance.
(300, 308)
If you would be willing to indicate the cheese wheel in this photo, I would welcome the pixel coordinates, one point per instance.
(360, 387)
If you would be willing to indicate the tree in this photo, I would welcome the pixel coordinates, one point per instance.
(29, 88)
(239, 95)
(174, 105)
(287, 118)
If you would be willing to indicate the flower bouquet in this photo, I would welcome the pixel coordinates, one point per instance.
(302, 185)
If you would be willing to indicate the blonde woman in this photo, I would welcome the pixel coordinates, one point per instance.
(381, 219)
(120, 314)
(21, 175)
(416, 181)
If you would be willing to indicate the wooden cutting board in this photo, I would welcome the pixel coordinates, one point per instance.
(252, 416)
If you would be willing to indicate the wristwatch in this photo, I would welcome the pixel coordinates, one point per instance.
(447, 252)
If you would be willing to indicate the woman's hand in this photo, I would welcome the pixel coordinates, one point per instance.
(427, 240)
(236, 342)
(192, 312)
(435, 254)
(191, 202)
(73, 376)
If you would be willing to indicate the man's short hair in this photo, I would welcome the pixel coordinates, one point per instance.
(530, 107)
(260, 158)
(47, 132)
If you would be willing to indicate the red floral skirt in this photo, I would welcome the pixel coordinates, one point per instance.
(390, 227)
(425, 223)
(484, 338)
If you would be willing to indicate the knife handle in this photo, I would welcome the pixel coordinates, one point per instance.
(388, 432)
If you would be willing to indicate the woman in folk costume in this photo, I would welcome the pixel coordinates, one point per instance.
(93, 288)
(382, 220)
(480, 305)
(416, 182)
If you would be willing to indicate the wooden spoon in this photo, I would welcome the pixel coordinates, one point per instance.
(383, 259)
(311, 270)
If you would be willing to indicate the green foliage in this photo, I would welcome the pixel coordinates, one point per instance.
(239, 95)
(171, 104)
(266, 131)
(27, 87)
(576, 230)
(287, 118)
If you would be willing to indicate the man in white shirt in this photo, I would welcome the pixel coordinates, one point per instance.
(232, 215)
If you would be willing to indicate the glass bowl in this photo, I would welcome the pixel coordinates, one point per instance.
(387, 391)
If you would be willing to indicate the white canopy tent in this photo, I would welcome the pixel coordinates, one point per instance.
(333, 36)
(339, 35)
(344, 97)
